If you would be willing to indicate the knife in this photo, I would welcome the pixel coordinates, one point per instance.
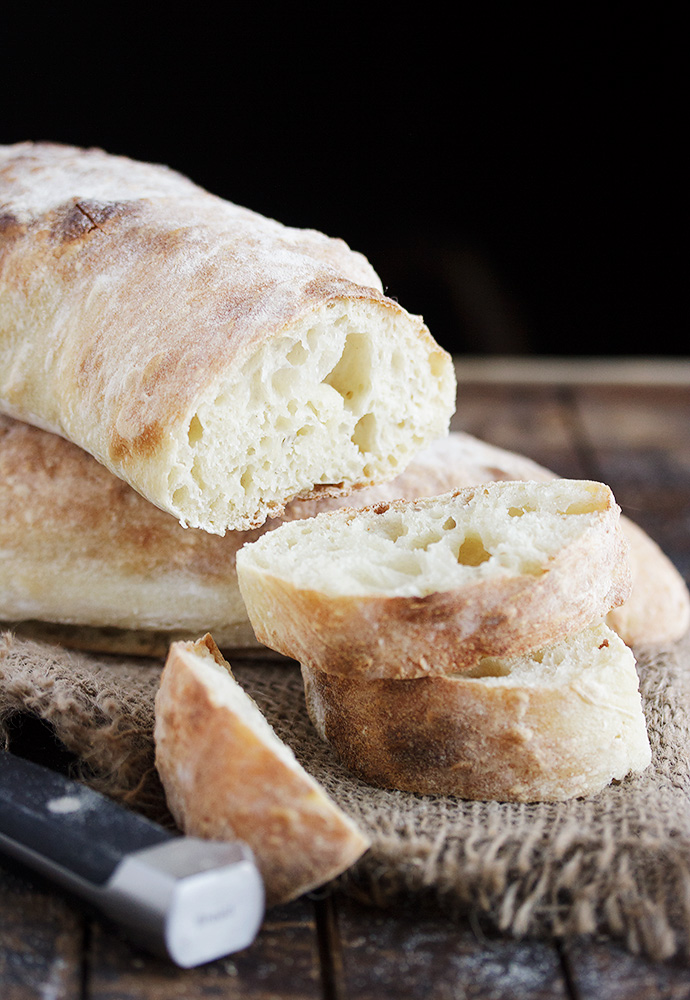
(189, 899)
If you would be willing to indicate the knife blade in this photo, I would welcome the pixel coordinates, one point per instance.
(189, 899)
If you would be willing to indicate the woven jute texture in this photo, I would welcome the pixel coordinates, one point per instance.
(616, 863)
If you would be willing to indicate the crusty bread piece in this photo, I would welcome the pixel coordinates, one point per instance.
(554, 724)
(227, 775)
(414, 588)
(89, 563)
(217, 361)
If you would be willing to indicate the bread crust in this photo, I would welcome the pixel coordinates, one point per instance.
(81, 547)
(225, 779)
(127, 295)
(380, 635)
(529, 739)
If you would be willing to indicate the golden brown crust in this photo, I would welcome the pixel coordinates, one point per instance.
(384, 636)
(81, 547)
(225, 779)
(529, 740)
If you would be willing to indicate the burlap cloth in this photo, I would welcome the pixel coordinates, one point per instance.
(617, 863)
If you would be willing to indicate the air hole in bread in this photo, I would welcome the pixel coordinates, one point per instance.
(472, 551)
(283, 380)
(181, 496)
(425, 542)
(365, 433)
(297, 354)
(195, 431)
(489, 667)
(351, 377)
(519, 511)
(583, 507)
(395, 529)
(197, 473)
(437, 363)
(449, 524)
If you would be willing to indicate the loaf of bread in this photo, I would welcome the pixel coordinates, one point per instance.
(414, 588)
(553, 724)
(228, 776)
(217, 361)
(88, 563)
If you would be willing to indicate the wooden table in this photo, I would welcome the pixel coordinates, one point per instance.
(624, 422)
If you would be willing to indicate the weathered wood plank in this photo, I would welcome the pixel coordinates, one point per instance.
(573, 370)
(639, 441)
(282, 962)
(530, 420)
(602, 970)
(388, 956)
(41, 939)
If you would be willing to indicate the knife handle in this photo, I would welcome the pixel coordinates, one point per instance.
(187, 898)
(67, 823)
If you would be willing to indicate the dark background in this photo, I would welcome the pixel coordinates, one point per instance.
(512, 170)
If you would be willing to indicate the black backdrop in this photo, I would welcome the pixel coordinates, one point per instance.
(511, 170)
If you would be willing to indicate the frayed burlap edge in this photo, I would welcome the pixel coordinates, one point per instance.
(617, 863)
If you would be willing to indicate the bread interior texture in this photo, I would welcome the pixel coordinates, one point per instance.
(586, 658)
(224, 692)
(413, 549)
(346, 397)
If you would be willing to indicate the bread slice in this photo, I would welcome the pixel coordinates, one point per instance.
(414, 588)
(551, 725)
(217, 361)
(228, 776)
(104, 569)
(89, 563)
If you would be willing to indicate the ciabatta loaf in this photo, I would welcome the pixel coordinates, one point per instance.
(87, 562)
(414, 588)
(217, 361)
(561, 722)
(227, 775)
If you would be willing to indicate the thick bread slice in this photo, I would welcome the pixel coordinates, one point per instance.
(414, 588)
(551, 725)
(87, 562)
(228, 776)
(217, 361)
